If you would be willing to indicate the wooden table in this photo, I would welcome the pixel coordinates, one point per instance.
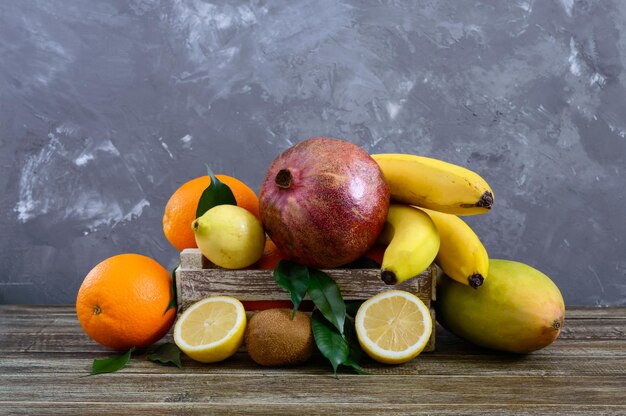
(44, 356)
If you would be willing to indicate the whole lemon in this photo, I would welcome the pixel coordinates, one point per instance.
(181, 207)
(229, 236)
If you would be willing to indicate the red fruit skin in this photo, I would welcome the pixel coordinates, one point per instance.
(334, 208)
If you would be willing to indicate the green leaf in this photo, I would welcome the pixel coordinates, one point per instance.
(356, 353)
(352, 307)
(165, 354)
(326, 296)
(216, 194)
(337, 349)
(294, 279)
(329, 341)
(111, 364)
(356, 367)
(173, 303)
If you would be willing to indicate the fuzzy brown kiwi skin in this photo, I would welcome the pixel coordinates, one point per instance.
(274, 339)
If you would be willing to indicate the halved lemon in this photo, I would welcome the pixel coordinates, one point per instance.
(212, 329)
(393, 327)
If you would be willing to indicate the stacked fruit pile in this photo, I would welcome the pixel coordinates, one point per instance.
(326, 203)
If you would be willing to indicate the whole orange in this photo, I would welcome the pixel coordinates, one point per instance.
(271, 256)
(376, 253)
(180, 210)
(122, 302)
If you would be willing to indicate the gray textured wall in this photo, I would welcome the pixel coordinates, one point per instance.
(107, 107)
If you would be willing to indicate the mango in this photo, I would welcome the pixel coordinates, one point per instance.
(517, 309)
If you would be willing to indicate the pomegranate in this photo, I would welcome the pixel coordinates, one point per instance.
(323, 202)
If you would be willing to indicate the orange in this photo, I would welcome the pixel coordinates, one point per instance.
(376, 253)
(122, 302)
(180, 210)
(271, 256)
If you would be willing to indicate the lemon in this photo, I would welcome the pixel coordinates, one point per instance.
(229, 236)
(212, 329)
(393, 327)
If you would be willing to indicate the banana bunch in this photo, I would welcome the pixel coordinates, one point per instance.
(435, 184)
(412, 243)
(423, 225)
(461, 254)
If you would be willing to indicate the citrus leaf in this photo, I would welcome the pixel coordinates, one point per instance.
(356, 353)
(329, 341)
(167, 353)
(111, 364)
(352, 307)
(294, 279)
(326, 296)
(356, 367)
(216, 194)
(339, 350)
(173, 303)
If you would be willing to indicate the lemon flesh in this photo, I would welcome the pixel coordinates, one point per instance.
(212, 329)
(393, 327)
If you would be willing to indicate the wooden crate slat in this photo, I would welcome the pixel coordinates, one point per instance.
(195, 283)
(197, 278)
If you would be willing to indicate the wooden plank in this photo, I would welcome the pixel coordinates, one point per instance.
(260, 285)
(583, 328)
(21, 332)
(252, 388)
(597, 329)
(20, 325)
(61, 332)
(196, 281)
(30, 310)
(587, 347)
(241, 363)
(583, 372)
(590, 312)
(572, 312)
(193, 259)
(53, 342)
(75, 340)
(446, 344)
(122, 408)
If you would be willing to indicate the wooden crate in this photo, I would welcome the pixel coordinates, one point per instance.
(197, 278)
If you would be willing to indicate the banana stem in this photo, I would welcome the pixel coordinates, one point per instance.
(388, 277)
(476, 280)
(486, 200)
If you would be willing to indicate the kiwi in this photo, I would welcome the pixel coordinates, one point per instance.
(274, 339)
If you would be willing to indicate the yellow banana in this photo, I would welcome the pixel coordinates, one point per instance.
(435, 184)
(461, 254)
(413, 243)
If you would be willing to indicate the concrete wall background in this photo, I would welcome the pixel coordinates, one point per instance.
(107, 107)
